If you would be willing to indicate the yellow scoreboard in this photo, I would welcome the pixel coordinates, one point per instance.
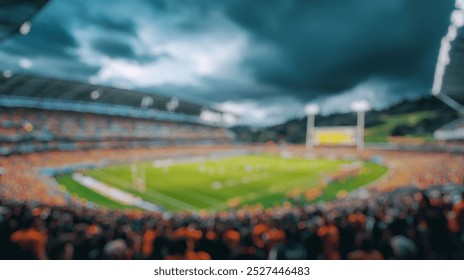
(337, 135)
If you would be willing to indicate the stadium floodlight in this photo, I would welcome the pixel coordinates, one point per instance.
(172, 105)
(460, 4)
(311, 111)
(94, 95)
(146, 102)
(16, 16)
(360, 107)
(447, 78)
(207, 116)
(457, 18)
(25, 28)
(7, 74)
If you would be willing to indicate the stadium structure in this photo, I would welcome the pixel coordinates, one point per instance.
(95, 172)
(448, 83)
(43, 114)
(16, 16)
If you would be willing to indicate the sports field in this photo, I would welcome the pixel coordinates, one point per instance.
(215, 184)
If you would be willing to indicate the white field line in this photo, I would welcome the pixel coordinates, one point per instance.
(113, 193)
(165, 198)
(192, 193)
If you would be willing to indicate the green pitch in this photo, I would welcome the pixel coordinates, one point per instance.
(213, 184)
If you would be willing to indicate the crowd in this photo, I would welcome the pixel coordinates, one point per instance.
(22, 171)
(416, 211)
(407, 223)
(34, 130)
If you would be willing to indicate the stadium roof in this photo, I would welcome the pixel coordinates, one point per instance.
(15, 13)
(449, 73)
(451, 131)
(27, 86)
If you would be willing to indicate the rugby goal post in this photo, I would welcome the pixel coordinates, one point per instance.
(339, 135)
(138, 174)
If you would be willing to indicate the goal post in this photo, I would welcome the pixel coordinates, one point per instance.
(338, 135)
(138, 174)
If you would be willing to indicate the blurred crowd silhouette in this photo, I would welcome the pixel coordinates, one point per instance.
(415, 211)
(406, 223)
(34, 130)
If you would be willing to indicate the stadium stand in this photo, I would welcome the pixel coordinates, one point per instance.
(16, 16)
(36, 116)
(22, 90)
(415, 212)
(449, 83)
(450, 65)
(49, 126)
(451, 131)
(407, 223)
(35, 130)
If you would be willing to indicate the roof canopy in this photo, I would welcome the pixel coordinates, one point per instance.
(449, 73)
(15, 13)
(28, 86)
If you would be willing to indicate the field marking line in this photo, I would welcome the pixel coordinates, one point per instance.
(114, 193)
(153, 194)
(199, 196)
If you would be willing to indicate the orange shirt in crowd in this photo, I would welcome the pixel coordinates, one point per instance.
(456, 222)
(190, 255)
(147, 243)
(330, 239)
(363, 255)
(31, 240)
(232, 237)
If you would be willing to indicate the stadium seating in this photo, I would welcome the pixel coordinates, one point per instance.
(412, 213)
(415, 211)
(451, 131)
(403, 224)
(35, 130)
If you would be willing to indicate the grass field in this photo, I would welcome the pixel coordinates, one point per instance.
(212, 184)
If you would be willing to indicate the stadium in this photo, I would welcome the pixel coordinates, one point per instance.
(92, 171)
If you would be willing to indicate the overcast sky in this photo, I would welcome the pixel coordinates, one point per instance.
(263, 59)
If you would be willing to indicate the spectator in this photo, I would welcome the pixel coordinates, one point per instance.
(365, 250)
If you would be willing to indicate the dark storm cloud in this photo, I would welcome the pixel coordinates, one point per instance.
(209, 94)
(295, 49)
(186, 15)
(309, 49)
(114, 24)
(113, 48)
(117, 49)
(77, 71)
(329, 46)
(47, 38)
(51, 46)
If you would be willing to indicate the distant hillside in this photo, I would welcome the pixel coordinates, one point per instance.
(408, 119)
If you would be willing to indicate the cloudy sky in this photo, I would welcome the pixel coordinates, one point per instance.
(262, 59)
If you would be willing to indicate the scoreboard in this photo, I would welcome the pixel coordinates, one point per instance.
(337, 135)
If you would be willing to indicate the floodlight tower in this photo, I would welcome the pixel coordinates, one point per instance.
(360, 107)
(448, 83)
(311, 111)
